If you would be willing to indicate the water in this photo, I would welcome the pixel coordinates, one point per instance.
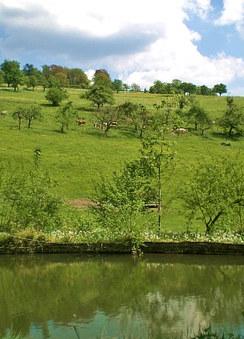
(120, 297)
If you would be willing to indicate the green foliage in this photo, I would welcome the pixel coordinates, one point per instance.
(100, 94)
(19, 115)
(117, 85)
(122, 202)
(26, 200)
(233, 118)
(65, 116)
(32, 113)
(56, 95)
(12, 73)
(215, 194)
(208, 333)
(198, 116)
(220, 89)
(107, 118)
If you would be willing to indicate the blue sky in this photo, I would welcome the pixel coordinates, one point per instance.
(140, 41)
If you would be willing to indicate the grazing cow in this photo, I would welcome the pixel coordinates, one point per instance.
(104, 125)
(80, 122)
(3, 113)
(180, 131)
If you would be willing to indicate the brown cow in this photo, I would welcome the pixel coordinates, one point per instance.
(80, 122)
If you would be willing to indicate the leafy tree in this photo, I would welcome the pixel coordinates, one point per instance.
(157, 157)
(136, 114)
(13, 75)
(102, 77)
(65, 116)
(126, 87)
(56, 95)
(117, 85)
(26, 200)
(19, 115)
(78, 78)
(107, 117)
(204, 90)
(135, 88)
(199, 117)
(220, 89)
(32, 113)
(100, 94)
(1, 77)
(122, 201)
(32, 81)
(233, 118)
(215, 194)
(188, 87)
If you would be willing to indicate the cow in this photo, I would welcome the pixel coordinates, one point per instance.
(180, 131)
(80, 121)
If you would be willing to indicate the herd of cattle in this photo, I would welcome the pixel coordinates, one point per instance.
(102, 125)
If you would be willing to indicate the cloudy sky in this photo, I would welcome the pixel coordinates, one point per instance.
(140, 41)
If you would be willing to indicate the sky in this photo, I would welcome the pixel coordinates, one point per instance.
(138, 41)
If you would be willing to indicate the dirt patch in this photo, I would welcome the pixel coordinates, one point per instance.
(81, 203)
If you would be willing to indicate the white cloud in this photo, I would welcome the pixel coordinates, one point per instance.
(166, 46)
(233, 14)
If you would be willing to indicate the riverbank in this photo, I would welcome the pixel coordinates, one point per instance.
(184, 247)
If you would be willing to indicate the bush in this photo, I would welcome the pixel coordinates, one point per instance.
(56, 95)
(26, 200)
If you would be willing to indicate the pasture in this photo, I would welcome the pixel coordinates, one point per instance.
(79, 158)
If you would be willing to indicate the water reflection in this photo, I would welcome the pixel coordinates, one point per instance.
(120, 297)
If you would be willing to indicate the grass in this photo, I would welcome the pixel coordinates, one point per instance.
(77, 159)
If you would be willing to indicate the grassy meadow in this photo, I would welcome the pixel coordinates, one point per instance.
(79, 158)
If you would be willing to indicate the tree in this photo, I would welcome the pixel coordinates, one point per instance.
(220, 89)
(32, 81)
(198, 116)
(78, 78)
(135, 88)
(65, 116)
(188, 87)
(13, 75)
(122, 202)
(32, 113)
(136, 114)
(56, 95)
(26, 200)
(204, 90)
(215, 194)
(19, 115)
(102, 77)
(107, 118)
(117, 85)
(233, 118)
(100, 94)
(1, 77)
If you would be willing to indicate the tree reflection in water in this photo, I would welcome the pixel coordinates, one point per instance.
(119, 296)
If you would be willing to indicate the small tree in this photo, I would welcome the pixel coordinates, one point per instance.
(138, 115)
(65, 116)
(107, 118)
(26, 200)
(215, 194)
(233, 119)
(100, 94)
(13, 75)
(117, 85)
(32, 113)
(56, 95)
(19, 115)
(220, 89)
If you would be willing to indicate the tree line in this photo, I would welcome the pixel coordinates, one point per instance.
(51, 76)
